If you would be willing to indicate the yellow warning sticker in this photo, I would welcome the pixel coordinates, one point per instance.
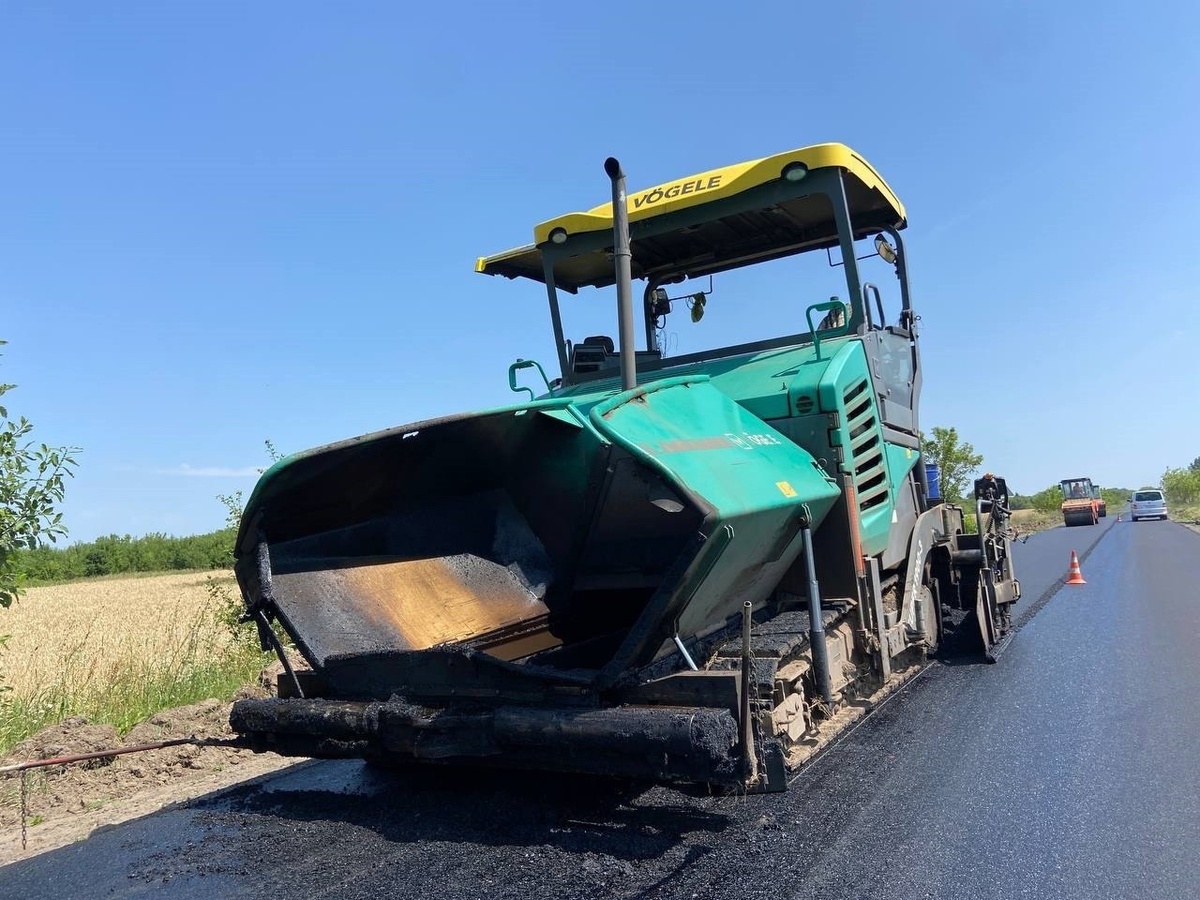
(786, 489)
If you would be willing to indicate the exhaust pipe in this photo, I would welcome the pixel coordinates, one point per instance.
(622, 259)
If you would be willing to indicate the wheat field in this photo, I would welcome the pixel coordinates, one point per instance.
(118, 649)
(89, 629)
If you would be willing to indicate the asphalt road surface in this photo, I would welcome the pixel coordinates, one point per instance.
(1069, 769)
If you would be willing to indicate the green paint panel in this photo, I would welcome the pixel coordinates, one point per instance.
(901, 461)
(760, 381)
(845, 388)
(753, 478)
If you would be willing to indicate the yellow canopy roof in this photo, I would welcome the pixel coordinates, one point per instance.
(868, 195)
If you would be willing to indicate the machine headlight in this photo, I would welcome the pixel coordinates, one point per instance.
(795, 171)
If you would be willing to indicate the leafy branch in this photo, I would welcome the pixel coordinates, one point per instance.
(33, 482)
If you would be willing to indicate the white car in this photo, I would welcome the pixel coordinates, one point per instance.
(1147, 504)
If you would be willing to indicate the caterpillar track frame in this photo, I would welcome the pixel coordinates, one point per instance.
(694, 568)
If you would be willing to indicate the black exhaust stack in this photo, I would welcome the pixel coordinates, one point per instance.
(622, 259)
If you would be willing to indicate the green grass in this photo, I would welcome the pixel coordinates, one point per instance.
(1190, 514)
(127, 701)
(140, 674)
(134, 695)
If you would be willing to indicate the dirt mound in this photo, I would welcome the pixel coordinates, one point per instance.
(70, 737)
(64, 803)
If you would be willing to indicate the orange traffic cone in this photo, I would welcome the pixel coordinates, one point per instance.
(1074, 576)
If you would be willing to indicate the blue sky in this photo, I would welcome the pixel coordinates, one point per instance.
(226, 223)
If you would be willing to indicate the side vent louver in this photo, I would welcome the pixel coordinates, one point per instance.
(866, 449)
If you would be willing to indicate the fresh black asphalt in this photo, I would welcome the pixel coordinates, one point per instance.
(1068, 769)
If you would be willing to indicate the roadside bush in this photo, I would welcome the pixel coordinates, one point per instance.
(1115, 497)
(1181, 486)
(1047, 500)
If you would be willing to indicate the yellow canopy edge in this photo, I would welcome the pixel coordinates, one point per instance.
(693, 190)
(718, 184)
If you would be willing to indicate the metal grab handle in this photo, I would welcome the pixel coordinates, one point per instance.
(868, 289)
(526, 364)
(836, 331)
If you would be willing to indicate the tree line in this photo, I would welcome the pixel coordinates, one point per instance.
(125, 555)
(959, 463)
(33, 480)
(1050, 499)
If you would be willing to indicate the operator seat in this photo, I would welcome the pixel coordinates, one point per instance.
(592, 354)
